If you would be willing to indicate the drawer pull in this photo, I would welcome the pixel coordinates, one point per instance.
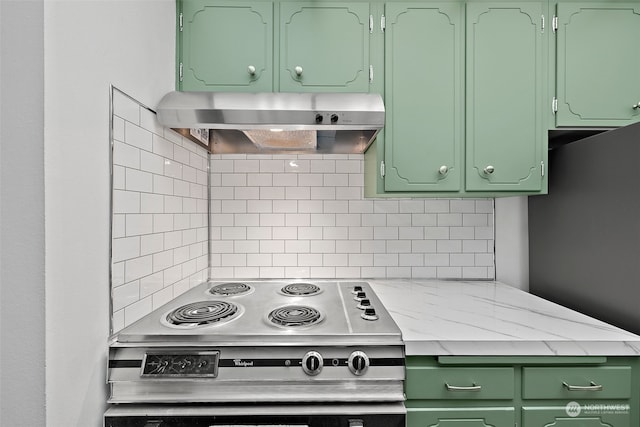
(473, 387)
(591, 387)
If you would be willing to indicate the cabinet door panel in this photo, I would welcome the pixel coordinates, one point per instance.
(574, 414)
(460, 417)
(505, 137)
(329, 42)
(423, 96)
(598, 62)
(223, 42)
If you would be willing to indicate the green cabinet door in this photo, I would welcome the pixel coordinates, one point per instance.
(461, 417)
(578, 414)
(324, 46)
(505, 67)
(226, 46)
(423, 96)
(598, 82)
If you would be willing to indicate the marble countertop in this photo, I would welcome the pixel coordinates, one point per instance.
(493, 319)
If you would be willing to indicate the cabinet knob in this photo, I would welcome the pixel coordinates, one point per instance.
(636, 106)
(251, 70)
(488, 170)
(298, 70)
(443, 170)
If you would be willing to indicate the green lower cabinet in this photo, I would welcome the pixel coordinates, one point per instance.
(578, 414)
(527, 391)
(461, 417)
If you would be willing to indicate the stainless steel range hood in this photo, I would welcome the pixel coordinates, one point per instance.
(233, 122)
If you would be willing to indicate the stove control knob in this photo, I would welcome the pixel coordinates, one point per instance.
(369, 314)
(312, 363)
(364, 304)
(358, 363)
(360, 296)
(356, 289)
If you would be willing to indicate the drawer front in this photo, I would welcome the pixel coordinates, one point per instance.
(459, 383)
(603, 382)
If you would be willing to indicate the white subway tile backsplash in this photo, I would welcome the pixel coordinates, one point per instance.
(285, 180)
(137, 224)
(151, 203)
(125, 295)
(125, 248)
(150, 162)
(118, 128)
(181, 155)
(336, 206)
(151, 284)
(126, 201)
(450, 219)
(259, 233)
(138, 137)
(119, 180)
(136, 268)
(273, 216)
(160, 202)
(126, 155)
(162, 185)
(272, 193)
(181, 188)
(151, 243)
(284, 206)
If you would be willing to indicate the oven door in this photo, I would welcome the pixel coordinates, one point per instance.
(281, 415)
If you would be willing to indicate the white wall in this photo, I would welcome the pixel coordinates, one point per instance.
(22, 224)
(88, 46)
(512, 241)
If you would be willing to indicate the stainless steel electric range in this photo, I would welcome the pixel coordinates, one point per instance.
(260, 353)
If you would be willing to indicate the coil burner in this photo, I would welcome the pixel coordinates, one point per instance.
(203, 313)
(301, 289)
(231, 289)
(295, 316)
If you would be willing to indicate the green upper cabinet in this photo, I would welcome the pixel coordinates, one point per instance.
(598, 63)
(324, 46)
(423, 96)
(505, 71)
(225, 46)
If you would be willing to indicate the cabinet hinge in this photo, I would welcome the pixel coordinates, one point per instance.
(370, 73)
(382, 169)
(180, 22)
(370, 24)
(554, 24)
(383, 23)
(554, 105)
(180, 71)
(542, 169)
(542, 23)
